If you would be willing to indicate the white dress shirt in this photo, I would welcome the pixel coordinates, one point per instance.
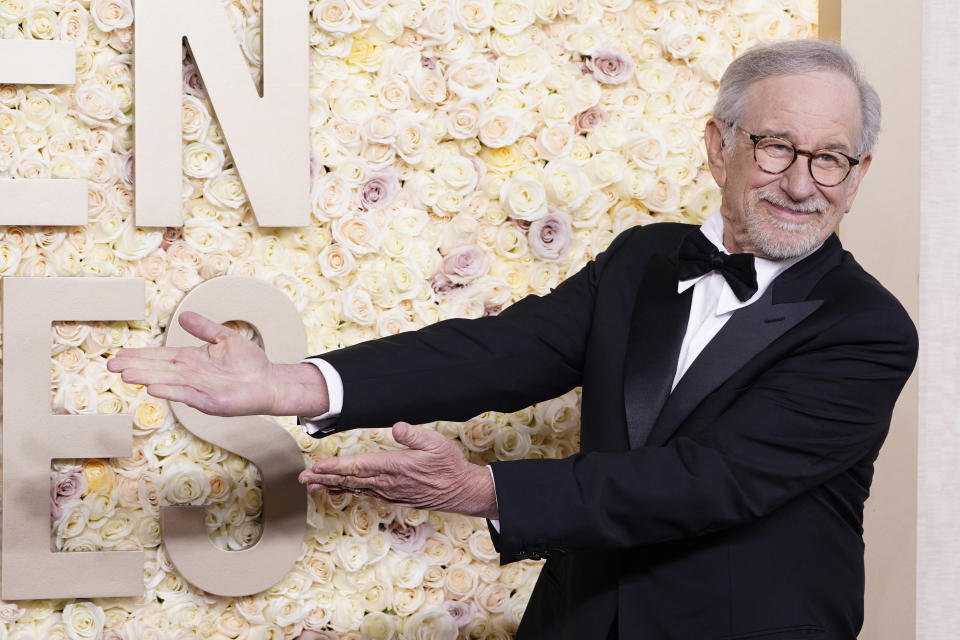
(712, 305)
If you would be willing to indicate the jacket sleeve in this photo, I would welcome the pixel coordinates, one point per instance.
(456, 369)
(811, 417)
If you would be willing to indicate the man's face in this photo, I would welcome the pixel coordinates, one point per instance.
(787, 214)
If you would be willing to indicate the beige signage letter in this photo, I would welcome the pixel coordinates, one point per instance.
(259, 440)
(32, 437)
(41, 201)
(268, 136)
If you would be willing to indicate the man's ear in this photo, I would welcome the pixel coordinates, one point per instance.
(713, 138)
(855, 178)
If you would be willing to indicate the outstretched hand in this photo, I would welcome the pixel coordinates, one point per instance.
(228, 376)
(432, 473)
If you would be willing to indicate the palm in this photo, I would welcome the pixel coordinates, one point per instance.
(228, 376)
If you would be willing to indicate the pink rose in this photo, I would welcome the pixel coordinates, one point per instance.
(66, 486)
(610, 67)
(126, 172)
(460, 611)
(380, 189)
(409, 539)
(464, 264)
(589, 119)
(192, 82)
(549, 237)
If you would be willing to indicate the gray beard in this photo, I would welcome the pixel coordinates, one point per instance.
(800, 238)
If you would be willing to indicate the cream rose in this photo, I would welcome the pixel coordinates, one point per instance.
(500, 127)
(566, 185)
(184, 483)
(83, 620)
(430, 623)
(472, 79)
(336, 17)
(111, 14)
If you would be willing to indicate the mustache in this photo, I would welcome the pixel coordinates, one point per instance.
(812, 204)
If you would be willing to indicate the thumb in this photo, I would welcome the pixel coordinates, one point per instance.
(413, 437)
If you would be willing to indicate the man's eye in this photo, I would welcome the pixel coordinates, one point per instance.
(778, 149)
(828, 160)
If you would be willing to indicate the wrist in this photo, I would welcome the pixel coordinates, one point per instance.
(485, 495)
(299, 390)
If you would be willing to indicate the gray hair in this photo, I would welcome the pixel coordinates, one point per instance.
(788, 58)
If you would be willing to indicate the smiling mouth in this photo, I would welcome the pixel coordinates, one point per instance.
(790, 211)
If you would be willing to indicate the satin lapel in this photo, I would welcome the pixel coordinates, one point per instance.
(746, 334)
(656, 333)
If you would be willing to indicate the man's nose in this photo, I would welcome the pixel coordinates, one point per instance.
(796, 181)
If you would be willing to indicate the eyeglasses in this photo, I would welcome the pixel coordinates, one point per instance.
(774, 155)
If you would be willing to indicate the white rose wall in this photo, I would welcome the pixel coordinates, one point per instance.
(464, 154)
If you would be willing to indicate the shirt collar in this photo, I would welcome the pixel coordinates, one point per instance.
(767, 269)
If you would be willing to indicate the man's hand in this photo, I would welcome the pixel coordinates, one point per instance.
(228, 376)
(432, 473)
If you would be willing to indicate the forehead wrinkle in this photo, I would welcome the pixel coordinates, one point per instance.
(809, 103)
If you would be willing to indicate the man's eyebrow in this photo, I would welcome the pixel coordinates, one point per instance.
(784, 135)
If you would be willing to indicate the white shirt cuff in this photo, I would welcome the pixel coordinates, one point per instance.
(327, 421)
(495, 523)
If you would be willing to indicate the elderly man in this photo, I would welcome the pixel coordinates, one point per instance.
(738, 381)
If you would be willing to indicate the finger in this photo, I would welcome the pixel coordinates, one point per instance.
(417, 437)
(167, 376)
(347, 483)
(203, 328)
(126, 364)
(146, 353)
(358, 465)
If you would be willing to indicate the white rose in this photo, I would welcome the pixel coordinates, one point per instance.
(111, 14)
(357, 234)
(430, 623)
(351, 553)
(394, 93)
(429, 86)
(463, 119)
(584, 39)
(500, 127)
(83, 620)
(411, 140)
(605, 168)
(512, 16)
(336, 17)
(357, 306)
(663, 196)
(379, 626)
(437, 24)
(524, 198)
(566, 185)
(474, 16)
(202, 159)
(184, 483)
(472, 79)
(195, 118)
(556, 109)
(330, 196)
(74, 22)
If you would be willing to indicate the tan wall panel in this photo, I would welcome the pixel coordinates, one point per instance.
(883, 232)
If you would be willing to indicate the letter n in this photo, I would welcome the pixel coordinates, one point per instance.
(268, 136)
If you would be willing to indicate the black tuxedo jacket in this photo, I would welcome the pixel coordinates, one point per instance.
(729, 508)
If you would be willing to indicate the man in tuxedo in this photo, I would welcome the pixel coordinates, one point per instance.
(738, 381)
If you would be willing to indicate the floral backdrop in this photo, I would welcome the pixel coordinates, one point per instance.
(466, 153)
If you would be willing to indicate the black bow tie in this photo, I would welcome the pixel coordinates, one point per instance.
(699, 256)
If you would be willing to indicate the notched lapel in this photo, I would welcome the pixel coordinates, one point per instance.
(749, 331)
(656, 332)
